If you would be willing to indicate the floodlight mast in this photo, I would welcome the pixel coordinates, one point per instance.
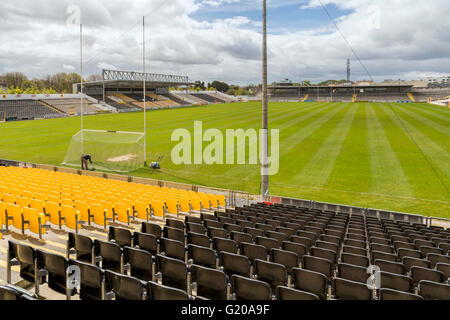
(144, 90)
(265, 143)
(81, 87)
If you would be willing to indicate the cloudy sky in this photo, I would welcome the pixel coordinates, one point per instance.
(221, 39)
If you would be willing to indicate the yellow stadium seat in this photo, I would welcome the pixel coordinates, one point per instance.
(157, 207)
(22, 202)
(123, 213)
(70, 217)
(83, 209)
(9, 198)
(195, 203)
(28, 194)
(52, 211)
(172, 206)
(185, 205)
(98, 215)
(16, 192)
(40, 196)
(15, 212)
(142, 210)
(108, 206)
(38, 205)
(221, 200)
(66, 202)
(3, 219)
(53, 199)
(35, 221)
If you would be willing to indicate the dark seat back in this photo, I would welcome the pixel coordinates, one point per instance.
(111, 255)
(235, 264)
(211, 283)
(286, 258)
(390, 294)
(147, 242)
(430, 290)
(286, 293)
(26, 256)
(91, 281)
(56, 267)
(350, 290)
(310, 281)
(157, 291)
(198, 239)
(250, 289)
(124, 287)
(151, 228)
(354, 273)
(83, 246)
(274, 274)
(141, 263)
(123, 237)
(173, 248)
(320, 265)
(202, 256)
(253, 251)
(174, 272)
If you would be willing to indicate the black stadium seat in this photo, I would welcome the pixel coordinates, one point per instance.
(173, 272)
(390, 294)
(310, 281)
(140, 263)
(82, 246)
(92, 281)
(210, 283)
(350, 290)
(157, 291)
(124, 287)
(249, 289)
(286, 293)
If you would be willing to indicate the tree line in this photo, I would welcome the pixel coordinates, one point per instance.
(19, 83)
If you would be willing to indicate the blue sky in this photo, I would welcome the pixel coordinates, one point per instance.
(289, 17)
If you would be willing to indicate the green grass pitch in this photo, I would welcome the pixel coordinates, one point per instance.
(376, 155)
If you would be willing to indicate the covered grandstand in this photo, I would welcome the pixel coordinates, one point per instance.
(356, 93)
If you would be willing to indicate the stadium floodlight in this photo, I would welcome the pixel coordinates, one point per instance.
(265, 138)
(116, 151)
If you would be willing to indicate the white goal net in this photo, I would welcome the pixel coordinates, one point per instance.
(115, 151)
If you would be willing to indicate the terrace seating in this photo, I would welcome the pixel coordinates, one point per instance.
(65, 105)
(27, 110)
(264, 268)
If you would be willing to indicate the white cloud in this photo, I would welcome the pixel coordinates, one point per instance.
(68, 67)
(412, 39)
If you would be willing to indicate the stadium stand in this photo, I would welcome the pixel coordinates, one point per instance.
(66, 104)
(207, 97)
(175, 99)
(27, 110)
(264, 251)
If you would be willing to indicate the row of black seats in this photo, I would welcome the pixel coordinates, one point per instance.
(14, 293)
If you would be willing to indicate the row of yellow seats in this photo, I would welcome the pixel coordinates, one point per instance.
(172, 193)
(206, 198)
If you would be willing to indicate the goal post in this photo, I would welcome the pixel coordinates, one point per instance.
(116, 151)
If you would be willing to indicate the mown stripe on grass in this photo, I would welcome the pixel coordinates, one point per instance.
(388, 176)
(432, 130)
(320, 165)
(352, 166)
(436, 115)
(418, 173)
(291, 135)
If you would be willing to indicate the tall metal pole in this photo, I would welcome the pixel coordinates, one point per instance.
(144, 91)
(265, 139)
(81, 89)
